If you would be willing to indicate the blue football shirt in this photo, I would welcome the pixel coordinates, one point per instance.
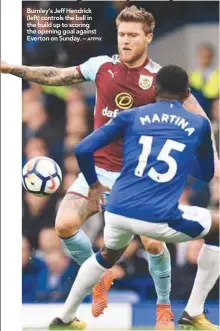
(162, 144)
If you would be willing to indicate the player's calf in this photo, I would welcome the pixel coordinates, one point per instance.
(160, 270)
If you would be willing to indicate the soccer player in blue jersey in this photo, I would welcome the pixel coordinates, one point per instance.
(162, 144)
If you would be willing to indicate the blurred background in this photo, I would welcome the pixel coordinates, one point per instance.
(55, 119)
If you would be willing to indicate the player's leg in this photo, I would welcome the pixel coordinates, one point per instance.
(73, 211)
(160, 270)
(100, 291)
(207, 274)
(195, 223)
(95, 267)
(116, 240)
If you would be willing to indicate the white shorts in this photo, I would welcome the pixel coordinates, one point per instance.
(119, 230)
(81, 187)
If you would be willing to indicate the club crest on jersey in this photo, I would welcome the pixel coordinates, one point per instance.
(145, 82)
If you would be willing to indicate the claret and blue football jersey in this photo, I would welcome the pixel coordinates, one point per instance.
(118, 88)
(162, 144)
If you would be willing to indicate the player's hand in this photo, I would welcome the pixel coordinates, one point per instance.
(217, 166)
(96, 195)
(5, 67)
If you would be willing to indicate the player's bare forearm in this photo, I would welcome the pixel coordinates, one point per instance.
(193, 105)
(45, 75)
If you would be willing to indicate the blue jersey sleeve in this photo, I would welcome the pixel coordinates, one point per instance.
(101, 137)
(90, 68)
(203, 167)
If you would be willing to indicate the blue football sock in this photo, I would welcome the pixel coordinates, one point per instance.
(160, 270)
(78, 247)
(103, 262)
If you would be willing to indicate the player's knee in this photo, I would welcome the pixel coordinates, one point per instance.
(152, 246)
(66, 226)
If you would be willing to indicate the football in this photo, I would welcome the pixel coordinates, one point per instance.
(41, 176)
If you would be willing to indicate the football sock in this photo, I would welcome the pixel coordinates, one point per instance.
(207, 274)
(78, 247)
(160, 270)
(103, 262)
(88, 276)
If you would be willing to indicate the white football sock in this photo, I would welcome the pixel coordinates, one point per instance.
(88, 276)
(206, 277)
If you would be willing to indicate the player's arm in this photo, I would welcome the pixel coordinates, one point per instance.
(45, 75)
(113, 130)
(203, 167)
(193, 105)
(101, 137)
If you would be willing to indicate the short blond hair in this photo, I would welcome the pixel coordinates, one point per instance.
(133, 14)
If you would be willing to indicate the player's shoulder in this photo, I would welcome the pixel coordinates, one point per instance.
(152, 66)
(90, 68)
(105, 58)
(99, 60)
(128, 115)
(193, 116)
(199, 121)
(205, 123)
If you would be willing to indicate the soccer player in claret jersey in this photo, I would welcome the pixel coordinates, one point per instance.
(162, 144)
(122, 82)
